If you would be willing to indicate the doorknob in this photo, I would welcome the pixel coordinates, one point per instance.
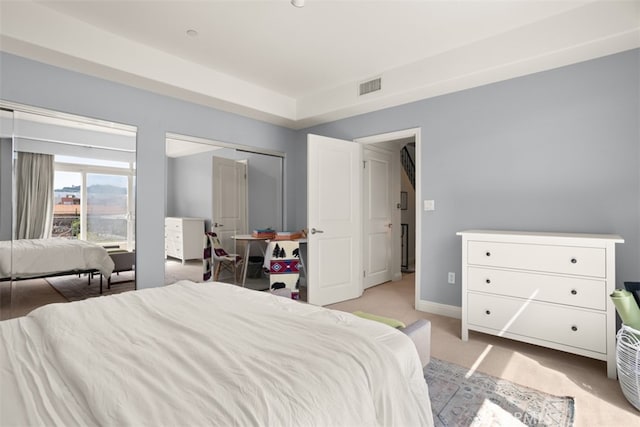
(218, 225)
(314, 231)
(389, 225)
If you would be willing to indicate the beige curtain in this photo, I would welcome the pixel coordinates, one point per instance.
(34, 188)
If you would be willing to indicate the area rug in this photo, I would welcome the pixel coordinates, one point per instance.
(75, 288)
(483, 400)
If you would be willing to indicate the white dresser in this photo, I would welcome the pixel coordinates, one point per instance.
(183, 238)
(549, 289)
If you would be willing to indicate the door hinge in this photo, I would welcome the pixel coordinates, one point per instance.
(364, 273)
(364, 164)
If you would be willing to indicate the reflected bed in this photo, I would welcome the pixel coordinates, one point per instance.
(34, 258)
(206, 354)
(46, 257)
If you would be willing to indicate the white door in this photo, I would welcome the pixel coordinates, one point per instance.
(378, 222)
(334, 220)
(229, 200)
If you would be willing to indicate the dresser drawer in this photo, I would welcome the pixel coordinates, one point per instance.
(580, 261)
(572, 291)
(553, 323)
(173, 236)
(171, 246)
(174, 224)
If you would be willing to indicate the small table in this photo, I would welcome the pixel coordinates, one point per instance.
(248, 239)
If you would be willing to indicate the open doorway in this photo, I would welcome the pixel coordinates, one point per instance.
(404, 187)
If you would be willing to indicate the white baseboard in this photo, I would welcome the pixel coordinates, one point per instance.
(441, 309)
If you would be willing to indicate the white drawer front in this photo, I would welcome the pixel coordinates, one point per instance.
(573, 291)
(581, 261)
(174, 236)
(558, 324)
(173, 224)
(172, 247)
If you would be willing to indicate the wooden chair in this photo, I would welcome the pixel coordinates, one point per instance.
(221, 258)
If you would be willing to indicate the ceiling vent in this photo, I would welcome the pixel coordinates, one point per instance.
(371, 86)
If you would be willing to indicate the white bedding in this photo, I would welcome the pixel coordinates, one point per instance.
(41, 257)
(206, 354)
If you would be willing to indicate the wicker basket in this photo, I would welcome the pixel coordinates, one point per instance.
(628, 363)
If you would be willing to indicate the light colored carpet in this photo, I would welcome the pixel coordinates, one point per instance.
(599, 401)
(75, 288)
(459, 398)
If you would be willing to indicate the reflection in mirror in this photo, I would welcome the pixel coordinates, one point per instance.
(225, 189)
(73, 210)
(6, 156)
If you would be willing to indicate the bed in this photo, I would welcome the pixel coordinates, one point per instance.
(33, 258)
(206, 354)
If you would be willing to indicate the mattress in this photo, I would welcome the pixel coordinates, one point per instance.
(206, 353)
(41, 257)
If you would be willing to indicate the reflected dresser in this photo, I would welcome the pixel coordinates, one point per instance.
(183, 238)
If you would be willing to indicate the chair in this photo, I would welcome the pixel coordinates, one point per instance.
(220, 258)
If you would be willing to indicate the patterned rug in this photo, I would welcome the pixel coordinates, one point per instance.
(75, 288)
(483, 400)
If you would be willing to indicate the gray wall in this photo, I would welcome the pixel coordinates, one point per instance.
(33, 83)
(553, 151)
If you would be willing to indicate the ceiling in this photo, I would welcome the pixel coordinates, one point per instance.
(298, 67)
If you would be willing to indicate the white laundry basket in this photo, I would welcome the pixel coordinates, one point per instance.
(628, 363)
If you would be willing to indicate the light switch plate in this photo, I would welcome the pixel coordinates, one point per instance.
(429, 205)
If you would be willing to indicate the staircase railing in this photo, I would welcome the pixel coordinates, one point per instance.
(408, 165)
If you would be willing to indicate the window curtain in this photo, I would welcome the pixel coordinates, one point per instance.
(34, 187)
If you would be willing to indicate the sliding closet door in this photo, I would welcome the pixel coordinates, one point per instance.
(6, 210)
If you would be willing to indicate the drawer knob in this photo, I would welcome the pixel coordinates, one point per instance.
(488, 281)
(488, 312)
(574, 328)
(574, 261)
(488, 254)
(574, 292)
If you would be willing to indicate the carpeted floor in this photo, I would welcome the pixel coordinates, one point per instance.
(75, 288)
(459, 399)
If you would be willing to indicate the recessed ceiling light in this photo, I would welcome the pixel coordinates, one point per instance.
(297, 3)
(192, 33)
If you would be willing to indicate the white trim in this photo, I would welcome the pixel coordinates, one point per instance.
(392, 136)
(104, 125)
(440, 309)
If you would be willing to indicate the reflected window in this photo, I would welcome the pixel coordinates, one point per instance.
(107, 209)
(93, 201)
(67, 192)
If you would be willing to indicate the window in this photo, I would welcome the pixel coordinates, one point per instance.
(94, 201)
(66, 204)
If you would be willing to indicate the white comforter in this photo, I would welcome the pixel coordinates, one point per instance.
(206, 354)
(40, 257)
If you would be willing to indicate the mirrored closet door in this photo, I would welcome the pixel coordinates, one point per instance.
(224, 189)
(68, 208)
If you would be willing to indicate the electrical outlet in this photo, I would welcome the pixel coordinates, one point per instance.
(452, 278)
